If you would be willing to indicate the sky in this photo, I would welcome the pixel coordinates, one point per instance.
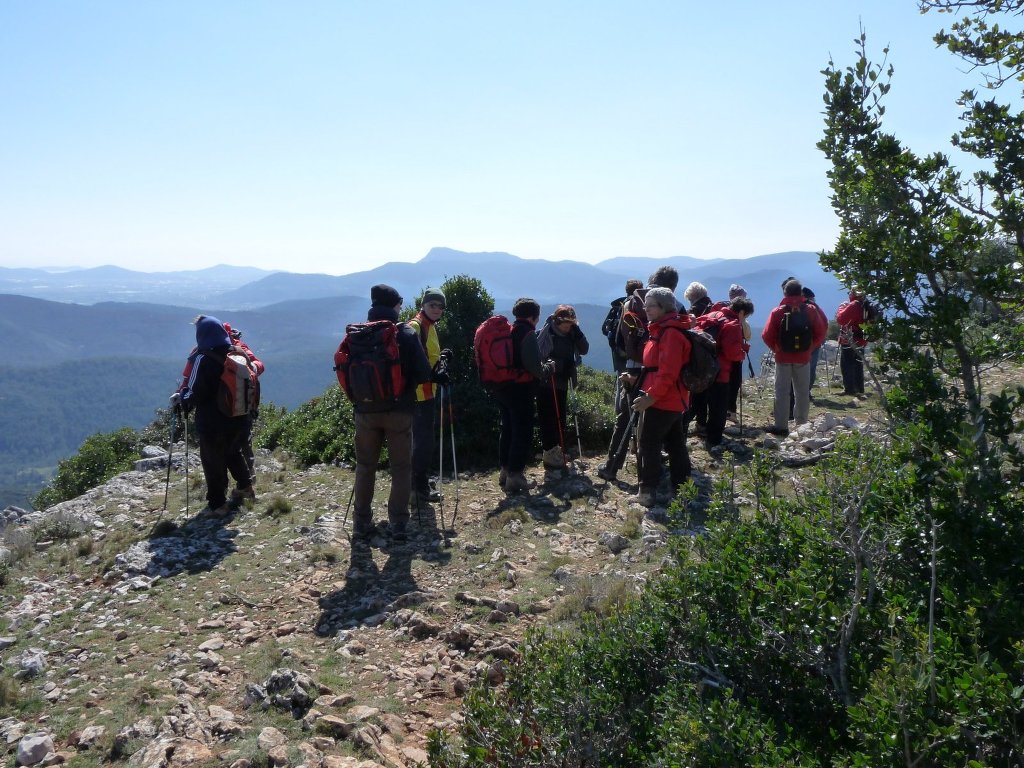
(332, 137)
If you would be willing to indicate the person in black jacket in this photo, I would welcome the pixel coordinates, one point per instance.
(515, 399)
(391, 422)
(561, 342)
(221, 438)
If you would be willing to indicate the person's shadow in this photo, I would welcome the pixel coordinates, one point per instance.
(196, 545)
(371, 593)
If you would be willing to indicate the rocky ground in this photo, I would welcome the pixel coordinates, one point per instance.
(174, 639)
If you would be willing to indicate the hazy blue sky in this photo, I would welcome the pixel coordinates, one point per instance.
(335, 136)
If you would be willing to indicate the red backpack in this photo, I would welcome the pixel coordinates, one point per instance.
(493, 352)
(368, 363)
(236, 394)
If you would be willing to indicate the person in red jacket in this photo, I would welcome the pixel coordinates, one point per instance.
(851, 319)
(732, 348)
(663, 398)
(793, 330)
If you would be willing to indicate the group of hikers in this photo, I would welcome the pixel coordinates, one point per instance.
(675, 366)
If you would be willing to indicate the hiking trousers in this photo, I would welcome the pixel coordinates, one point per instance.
(717, 396)
(372, 431)
(516, 404)
(221, 452)
(423, 438)
(623, 400)
(662, 428)
(792, 378)
(851, 365)
(551, 416)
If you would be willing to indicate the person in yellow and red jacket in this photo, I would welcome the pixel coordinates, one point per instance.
(663, 398)
(432, 306)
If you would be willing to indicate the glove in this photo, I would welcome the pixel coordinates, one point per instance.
(642, 403)
(548, 367)
(175, 400)
(627, 380)
(446, 355)
(441, 377)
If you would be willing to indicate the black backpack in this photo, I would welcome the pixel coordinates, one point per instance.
(610, 326)
(796, 333)
(702, 368)
(368, 363)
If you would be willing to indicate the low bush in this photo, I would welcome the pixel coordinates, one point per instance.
(100, 457)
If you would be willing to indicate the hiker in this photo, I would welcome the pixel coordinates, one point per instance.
(388, 421)
(852, 317)
(610, 326)
(700, 303)
(737, 291)
(221, 436)
(663, 398)
(732, 348)
(432, 306)
(792, 331)
(516, 397)
(632, 334)
(257, 367)
(561, 343)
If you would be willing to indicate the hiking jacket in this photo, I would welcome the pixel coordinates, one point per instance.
(701, 306)
(565, 349)
(770, 333)
(731, 346)
(415, 368)
(426, 331)
(850, 317)
(666, 352)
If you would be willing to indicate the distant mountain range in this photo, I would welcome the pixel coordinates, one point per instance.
(139, 325)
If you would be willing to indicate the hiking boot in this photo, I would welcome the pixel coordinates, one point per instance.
(554, 458)
(645, 498)
(605, 473)
(772, 429)
(502, 477)
(239, 495)
(516, 482)
(731, 416)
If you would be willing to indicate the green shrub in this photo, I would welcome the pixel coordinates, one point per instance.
(319, 431)
(99, 458)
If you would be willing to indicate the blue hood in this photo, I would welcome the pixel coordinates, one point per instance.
(210, 334)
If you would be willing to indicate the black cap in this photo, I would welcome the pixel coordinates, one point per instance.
(384, 296)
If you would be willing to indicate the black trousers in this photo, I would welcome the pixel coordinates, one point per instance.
(516, 404)
(717, 397)
(221, 452)
(851, 365)
(662, 428)
(735, 382)
(551, 415)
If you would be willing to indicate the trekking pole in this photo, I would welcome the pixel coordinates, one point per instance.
(576, 417)
(440, 462)
(185, 419)
(344, 520)
(558, 420)
(455, 467)
(170, 455)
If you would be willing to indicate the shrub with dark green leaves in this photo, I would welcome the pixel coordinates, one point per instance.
(100, 457)
(318, 431)
(815, 629)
